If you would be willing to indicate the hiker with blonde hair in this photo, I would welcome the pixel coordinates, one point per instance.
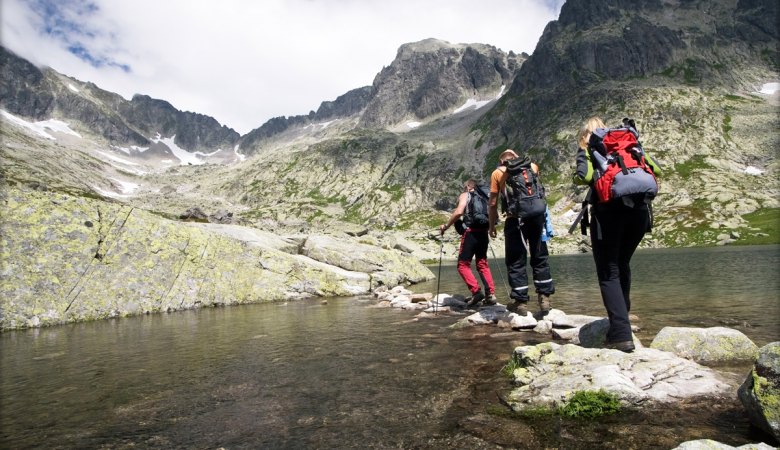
(618, 224)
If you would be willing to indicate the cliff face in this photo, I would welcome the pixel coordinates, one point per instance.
(23, 89)
(689, 73)
(597, 55)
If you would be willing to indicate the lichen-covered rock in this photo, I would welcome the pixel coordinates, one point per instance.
(549, 374)
(709, 444)
(68, 258)
(706, 345)
(389, 267)
(760, 393)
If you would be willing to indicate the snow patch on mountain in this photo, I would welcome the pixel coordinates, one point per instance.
(769, 88)
(239, 155)
(125, 186)
(129, 150)
(184, 156)
(476, 104)
(40, 128)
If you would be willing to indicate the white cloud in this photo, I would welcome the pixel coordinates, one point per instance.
(243, 61)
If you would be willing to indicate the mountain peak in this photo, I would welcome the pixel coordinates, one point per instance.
(432, 45)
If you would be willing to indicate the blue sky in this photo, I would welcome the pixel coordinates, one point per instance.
(245, 61)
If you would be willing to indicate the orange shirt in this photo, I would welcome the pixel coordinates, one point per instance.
(499, 176)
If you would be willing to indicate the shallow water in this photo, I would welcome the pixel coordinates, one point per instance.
(342, 374)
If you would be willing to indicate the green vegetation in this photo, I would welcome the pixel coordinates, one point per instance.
(291, 187)
(689, 72)
(289, 167)
(726, 127)
(396, 191)
(459, 172)
(353, 215)
(491, 158)
(429, 219)
(586, 405)
(696, 162)
(766, 220)
(321, 200)
(590, 405)
(510, 366)
(694, 229)
(420, 160)
(554, 196)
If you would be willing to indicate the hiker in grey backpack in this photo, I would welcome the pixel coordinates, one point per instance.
(516, 182)
(619, 223)
(474, 241)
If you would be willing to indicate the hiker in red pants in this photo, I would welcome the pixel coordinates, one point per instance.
(474, 241)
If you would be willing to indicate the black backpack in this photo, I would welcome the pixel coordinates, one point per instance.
(476, 215)
(524, 192)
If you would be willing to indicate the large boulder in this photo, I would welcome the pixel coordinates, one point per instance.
(706, 345)
(760, 393)
(593, 334)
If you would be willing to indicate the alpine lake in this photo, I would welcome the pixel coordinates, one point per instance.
(340, 373)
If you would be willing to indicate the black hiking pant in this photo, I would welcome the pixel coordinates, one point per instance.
(615, 232)
(516, 258)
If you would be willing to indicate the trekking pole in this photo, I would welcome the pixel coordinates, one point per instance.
(506, 286)
(582, 217)
(577, 221)
(438, 278)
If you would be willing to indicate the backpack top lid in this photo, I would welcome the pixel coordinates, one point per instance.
(513, 166)
(607, 140)
(482, 190)
(476, 214)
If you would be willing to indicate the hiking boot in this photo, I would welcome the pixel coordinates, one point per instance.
(490, 300)
(623, 346)
(520, 308)
(475, 299)
(544, 303)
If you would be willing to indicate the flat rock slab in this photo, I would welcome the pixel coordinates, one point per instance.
(549, 374)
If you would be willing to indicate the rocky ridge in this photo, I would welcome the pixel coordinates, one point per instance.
(697, 117)
(368, 170)
(42, 94)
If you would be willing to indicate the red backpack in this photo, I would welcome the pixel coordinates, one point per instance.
(620, 165)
